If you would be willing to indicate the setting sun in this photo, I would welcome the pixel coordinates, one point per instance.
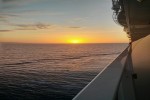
(75, 41)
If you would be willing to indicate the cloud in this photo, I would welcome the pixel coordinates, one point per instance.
(5, 30)
(39, 12)
(32, 26)
(16, 1)
(5, 16)
(74, 27)
(42, 26)
(35, 26)
(8, 0)
(9, 4)
(3, 20)
(25, 29)
(79, 20)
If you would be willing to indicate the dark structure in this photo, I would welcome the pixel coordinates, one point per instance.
(134, 16)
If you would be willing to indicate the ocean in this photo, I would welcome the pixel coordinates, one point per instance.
(51, 71)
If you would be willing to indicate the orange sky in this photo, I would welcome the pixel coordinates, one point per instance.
(82, 36)
(87, 21)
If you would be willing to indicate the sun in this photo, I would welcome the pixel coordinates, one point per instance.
(75, 41)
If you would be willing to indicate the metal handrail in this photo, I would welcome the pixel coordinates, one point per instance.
(106, 85)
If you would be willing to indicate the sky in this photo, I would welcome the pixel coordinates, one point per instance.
(59, 21)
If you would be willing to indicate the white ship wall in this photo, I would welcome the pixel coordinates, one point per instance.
(141, 65)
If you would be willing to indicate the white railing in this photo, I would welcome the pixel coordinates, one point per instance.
(113, 83)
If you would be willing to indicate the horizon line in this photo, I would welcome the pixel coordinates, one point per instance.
(67, 43)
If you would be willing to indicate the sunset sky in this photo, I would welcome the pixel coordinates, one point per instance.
(59, 21)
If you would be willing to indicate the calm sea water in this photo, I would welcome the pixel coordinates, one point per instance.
(51, 71)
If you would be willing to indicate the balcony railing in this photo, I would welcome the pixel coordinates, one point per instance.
(115, 82)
